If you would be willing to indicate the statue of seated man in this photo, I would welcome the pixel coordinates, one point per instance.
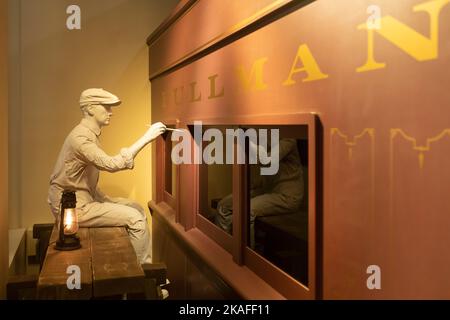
(78, 165)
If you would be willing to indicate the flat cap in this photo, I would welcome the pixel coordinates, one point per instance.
(98, 96)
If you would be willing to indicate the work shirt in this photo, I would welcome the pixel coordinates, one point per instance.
(78, 165)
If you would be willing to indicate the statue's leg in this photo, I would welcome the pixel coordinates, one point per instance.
(224, 217)
(109, 214)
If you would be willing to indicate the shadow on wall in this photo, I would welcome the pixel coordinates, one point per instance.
(52, 65)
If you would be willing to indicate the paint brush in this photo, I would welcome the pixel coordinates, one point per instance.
(171, 129)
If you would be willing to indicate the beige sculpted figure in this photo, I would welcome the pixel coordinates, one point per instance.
(78, 165)
(277, 194)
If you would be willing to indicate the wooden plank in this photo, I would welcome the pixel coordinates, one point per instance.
(115, 267)
(52, 283)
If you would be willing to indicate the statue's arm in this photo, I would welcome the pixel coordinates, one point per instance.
(89, 152)
(152, 133)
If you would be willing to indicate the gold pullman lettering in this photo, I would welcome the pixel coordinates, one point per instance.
(305, 68)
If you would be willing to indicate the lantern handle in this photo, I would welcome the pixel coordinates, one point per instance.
(61, 222)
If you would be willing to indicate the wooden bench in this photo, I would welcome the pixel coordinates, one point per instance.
(107, 262)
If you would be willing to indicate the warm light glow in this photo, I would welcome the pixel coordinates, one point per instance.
(70, 221)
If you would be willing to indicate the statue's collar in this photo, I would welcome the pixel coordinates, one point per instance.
(95, 129)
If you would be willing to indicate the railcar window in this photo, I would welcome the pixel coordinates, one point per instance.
(170, 168)
(215, 179)
(259, 207)
(277, 217)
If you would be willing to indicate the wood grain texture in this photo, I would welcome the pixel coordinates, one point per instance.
(108, 264)
(115, 267)
(52, 282)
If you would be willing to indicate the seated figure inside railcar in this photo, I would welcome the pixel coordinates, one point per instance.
(278, 213)
(270, 194)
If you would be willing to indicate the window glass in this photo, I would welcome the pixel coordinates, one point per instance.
(216, 179)
(170, 167)
(278, 206)
(220, 188)
(174, 175)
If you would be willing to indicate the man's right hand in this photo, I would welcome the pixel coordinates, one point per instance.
(155, 131)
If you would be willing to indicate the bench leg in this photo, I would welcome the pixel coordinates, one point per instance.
(155, 277)
(18, 287)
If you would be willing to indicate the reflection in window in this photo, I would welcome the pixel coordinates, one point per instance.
(216, 186)
(219, 193)
(278, 217)
(170, 168)
(174, 175)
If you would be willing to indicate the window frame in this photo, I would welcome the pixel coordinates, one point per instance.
(277, 278)
(222, 238)
(163, 167)
(189, 216)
